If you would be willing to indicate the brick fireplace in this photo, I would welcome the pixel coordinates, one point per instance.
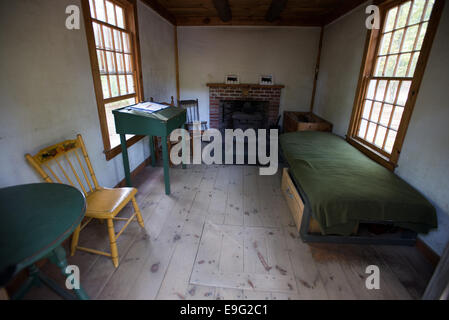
(219, 92)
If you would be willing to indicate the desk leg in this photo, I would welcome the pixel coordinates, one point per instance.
(184, 157)
(165, 159)
(125, 160)
(153, 155)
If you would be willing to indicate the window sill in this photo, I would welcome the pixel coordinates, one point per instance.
(110, 154)
(372, 154)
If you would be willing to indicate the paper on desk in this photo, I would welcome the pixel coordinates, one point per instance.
(149, 106)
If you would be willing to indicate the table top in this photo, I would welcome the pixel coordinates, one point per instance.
(35, 219)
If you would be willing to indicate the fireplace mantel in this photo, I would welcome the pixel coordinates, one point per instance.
(245, 85)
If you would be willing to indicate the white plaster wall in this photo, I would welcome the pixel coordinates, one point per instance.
(208, 54)
(157, 48)
(424, 160)
(46, 87)
(341, 57)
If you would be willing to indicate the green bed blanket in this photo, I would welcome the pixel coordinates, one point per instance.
(343, 186)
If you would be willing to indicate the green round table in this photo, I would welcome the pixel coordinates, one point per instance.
(34, 220)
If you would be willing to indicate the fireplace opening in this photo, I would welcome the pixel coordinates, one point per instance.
(243, 114)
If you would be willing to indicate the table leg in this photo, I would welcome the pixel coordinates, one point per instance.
(58, 257)
(153, 155)
(184, 157)
(165, 156)
(125, 160)
(33, 279)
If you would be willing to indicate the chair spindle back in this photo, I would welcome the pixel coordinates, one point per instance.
(62, 163)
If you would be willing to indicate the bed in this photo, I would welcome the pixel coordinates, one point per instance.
(341, 188)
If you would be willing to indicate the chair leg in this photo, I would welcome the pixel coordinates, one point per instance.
(75, 238)
(138, 214)
(113, 243)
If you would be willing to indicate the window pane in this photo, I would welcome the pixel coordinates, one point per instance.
(92, 9)
(411, 71)
(404, 59)
(128, 63)
(403, 93)
(381, 90)
(389, 25)
(120, 18)
(376, 111)
(391, 64)
(97, 35)
(386, 113)
(380, 136)
(362, 129)
(111, 63)
(397, 116)
(110, 13)
(396, 43)
(101, 61)
(131, 88)
(410, 37)
(126, 46)
(429, 10)
(403, 14)
(99, 7)
(380, 66)
(391, 91)
(385, 44)
(421, 36)
(120, 66)
(417, 11)
(391, 137)
(118, 41)
(107, 37)
(113, 137)
(105, 86)
(114, 86)
(371, 132)
(122, 80)
(367, 109)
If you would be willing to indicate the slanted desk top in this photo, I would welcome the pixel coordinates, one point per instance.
(158, 123)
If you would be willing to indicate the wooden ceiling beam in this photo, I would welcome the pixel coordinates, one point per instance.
(275, 10)
(223, 10)
(161, 10)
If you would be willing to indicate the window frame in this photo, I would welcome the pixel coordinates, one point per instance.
(130, 15)
(372, 43)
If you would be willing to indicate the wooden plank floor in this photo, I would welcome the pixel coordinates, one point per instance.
(226, 233)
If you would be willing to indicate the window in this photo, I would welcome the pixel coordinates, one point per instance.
(113, 46)
(394, 64)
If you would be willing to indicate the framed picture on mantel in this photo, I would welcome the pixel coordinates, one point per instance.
(232, 79)
(266, 80)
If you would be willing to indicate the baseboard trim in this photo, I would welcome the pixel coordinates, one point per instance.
(427, 252)
(135, 172)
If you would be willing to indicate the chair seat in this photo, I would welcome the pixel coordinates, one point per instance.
(105, 202)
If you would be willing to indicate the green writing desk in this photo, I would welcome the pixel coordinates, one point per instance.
(159, 123)
(34, 220)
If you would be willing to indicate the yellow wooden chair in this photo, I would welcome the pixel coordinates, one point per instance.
(54, 164)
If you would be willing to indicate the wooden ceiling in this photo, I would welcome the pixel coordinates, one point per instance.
(253, 12)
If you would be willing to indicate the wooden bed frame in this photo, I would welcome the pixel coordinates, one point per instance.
(308, 227)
